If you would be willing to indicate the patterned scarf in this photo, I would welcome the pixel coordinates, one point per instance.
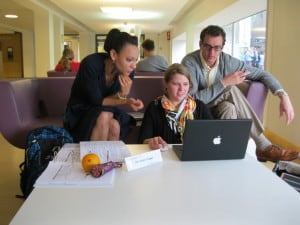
(176, 118)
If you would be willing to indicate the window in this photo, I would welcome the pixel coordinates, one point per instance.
(245, 39)
(100, 39)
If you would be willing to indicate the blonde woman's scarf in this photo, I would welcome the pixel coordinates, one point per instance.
(176, 118)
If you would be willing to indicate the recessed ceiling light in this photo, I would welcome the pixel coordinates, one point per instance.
(114, 10)
(11, 16)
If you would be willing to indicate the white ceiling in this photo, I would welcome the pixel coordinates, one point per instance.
(148, 15)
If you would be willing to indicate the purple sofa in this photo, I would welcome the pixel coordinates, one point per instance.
(256, 94)
(31, 103)
(53, 73)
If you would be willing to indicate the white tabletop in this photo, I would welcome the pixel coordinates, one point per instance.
(171, 192)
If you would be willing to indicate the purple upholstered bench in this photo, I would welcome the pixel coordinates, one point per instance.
(146, 88)
(30, 103)
(53, 73)
(256, 94)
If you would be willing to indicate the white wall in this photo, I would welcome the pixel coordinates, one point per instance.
(86, 43)
(282, 59)
(28, 54)
(178, 48)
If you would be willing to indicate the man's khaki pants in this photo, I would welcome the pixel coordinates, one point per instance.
(232, 104)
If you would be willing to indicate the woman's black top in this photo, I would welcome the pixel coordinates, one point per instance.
(155, 123)
(87, 94)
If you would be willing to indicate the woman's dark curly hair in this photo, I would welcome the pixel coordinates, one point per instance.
(117, 40)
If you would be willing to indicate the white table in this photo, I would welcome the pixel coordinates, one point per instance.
(229, 192)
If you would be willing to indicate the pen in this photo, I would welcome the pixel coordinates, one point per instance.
(57, 172)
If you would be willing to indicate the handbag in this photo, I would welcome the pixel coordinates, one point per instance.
(289, 172)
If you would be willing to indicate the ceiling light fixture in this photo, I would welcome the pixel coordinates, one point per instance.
(116, 10)
(11, 16)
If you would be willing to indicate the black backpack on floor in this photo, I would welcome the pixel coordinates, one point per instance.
(41, 147)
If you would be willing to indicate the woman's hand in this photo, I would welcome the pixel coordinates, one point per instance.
(125, 85)
(135, 104)
(156, 143)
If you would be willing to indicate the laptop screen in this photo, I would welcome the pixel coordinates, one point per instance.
(215, 139)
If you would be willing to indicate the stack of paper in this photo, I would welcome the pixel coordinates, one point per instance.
(66, 169)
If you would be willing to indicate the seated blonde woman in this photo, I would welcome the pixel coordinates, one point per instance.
(66, 62)
(164, 118)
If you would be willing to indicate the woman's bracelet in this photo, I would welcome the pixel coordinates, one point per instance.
(121, 97)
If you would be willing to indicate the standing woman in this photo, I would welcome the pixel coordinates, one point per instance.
(101, 84)
(165, 117)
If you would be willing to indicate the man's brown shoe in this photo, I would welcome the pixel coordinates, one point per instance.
(274, 153)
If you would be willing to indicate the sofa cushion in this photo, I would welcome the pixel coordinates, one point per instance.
(53, 73)
(145, 88)
(53, 95)
(26, 95)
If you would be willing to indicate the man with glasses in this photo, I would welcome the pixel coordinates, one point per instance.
(215, 75)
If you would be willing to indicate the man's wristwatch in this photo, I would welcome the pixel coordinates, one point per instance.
(282, 93)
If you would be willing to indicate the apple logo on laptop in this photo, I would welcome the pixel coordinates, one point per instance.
(217, 140)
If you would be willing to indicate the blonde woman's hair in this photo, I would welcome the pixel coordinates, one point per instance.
(66, 59)
(174, 69)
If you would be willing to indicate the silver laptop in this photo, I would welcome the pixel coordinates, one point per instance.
(214, 140)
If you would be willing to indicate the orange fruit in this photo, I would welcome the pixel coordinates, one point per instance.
(89, 160)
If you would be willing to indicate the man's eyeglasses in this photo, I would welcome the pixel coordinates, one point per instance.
(209, 47)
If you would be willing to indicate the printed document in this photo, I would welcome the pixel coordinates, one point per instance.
(72, 174)
(115, 151)
(66, 169)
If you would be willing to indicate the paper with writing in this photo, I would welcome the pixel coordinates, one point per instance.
(66, 170)
(114, 151)
(71, 174)
(69, 153)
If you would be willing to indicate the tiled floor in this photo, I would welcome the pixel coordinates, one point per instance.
(10, 158)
